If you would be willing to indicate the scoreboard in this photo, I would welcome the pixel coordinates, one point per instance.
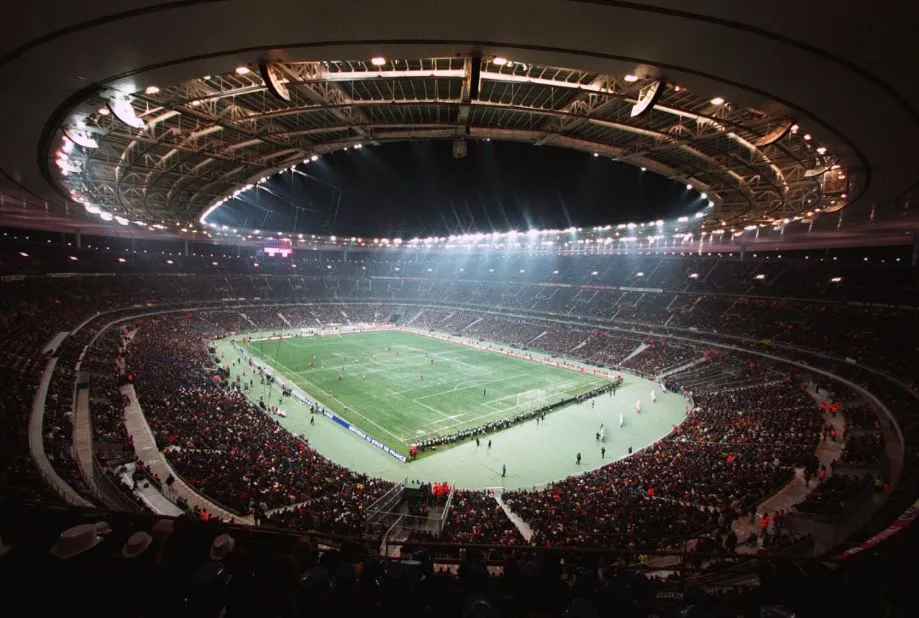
(277, 247)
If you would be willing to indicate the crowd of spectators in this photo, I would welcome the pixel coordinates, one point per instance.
(204, 569)
(658, 355)
(476, 517)
(608, 347)
(832, 495)
(861, 416)
(233, 453)
(863, 450)
(733, 449)
(227, 448)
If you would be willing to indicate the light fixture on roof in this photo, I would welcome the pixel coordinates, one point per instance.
(596, 154)
(120, 105)
(631, 78)
(821, 150)
(242, 70)
(356, 146)
(499, 61)
(644, 169)
(314, 158)
(688, 186)
(151, 89)
(718, 101)
(378, 61)
(103, 111)
(807, 136)
(79, 135)
(704, 196)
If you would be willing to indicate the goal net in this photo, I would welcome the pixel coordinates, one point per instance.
(531, 399)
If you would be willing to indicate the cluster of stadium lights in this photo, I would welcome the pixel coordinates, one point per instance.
(78, 138)
(570, 238)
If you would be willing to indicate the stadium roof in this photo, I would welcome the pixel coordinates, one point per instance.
(779, 111)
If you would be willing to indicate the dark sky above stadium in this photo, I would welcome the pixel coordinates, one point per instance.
(419, 189)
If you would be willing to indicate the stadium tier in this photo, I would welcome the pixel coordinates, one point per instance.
(314, 402)
(528, 309)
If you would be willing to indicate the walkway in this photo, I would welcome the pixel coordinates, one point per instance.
(796, 490)
(525, 530)
(145, 448)
(150, 495)
(83, 439)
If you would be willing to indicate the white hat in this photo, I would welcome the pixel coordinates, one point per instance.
(222, 546)
(103, 528)
(163, 528)
(75, 541)
(136, 545)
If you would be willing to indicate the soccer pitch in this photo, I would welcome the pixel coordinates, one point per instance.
(385, 382)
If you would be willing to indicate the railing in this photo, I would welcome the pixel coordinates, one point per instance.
(37, 446)
(386, 502)
(111, 493)
(447, 504)
(384, 544)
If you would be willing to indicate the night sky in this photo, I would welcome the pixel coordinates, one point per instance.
(419, 189)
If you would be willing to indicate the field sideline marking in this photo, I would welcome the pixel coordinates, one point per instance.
(350, 409)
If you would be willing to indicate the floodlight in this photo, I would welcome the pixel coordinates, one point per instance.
(124, 111)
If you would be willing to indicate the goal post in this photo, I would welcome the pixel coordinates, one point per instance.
(531, 399)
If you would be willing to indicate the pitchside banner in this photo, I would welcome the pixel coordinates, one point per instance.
(363, 436)
(355, 430)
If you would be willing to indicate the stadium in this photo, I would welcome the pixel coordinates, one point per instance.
(543, 308)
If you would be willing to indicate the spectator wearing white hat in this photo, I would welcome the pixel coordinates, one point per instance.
(76, 541)
(221, 547)
(77, 564)
(136, 545)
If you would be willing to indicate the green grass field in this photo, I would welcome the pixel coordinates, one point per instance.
(386, 396)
